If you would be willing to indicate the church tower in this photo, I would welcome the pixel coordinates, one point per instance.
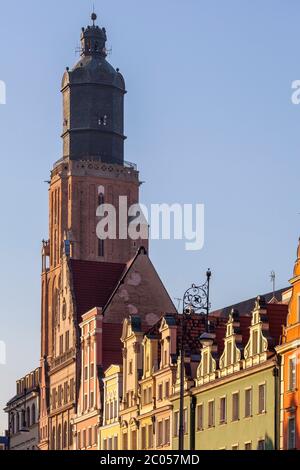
(91, 172)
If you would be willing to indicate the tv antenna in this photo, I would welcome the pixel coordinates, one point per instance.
(273, 280)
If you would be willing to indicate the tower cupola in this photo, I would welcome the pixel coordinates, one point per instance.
(93, 103)
(93, 39)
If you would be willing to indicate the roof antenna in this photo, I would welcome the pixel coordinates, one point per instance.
(273, 280)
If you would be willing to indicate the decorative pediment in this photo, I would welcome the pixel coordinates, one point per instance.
(231, 357)
(206, 371)
(257, 346)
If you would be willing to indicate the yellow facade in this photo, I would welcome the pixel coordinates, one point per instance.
(109, 434)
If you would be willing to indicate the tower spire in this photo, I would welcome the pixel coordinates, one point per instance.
(93, 16)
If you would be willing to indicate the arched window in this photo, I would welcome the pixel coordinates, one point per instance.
(23, 422)
(65, 435)
(12, 425)
(70, 435)
(53, 438)
(28, 417)
(33, 419)
(58, 439)
(100, 199)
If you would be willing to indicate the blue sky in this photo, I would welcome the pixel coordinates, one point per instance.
(209, 119)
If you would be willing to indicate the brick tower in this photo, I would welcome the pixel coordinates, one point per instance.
(91, 172)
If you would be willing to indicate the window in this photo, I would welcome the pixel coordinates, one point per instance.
(144, 437)
(130, 367)
(176, 424)
(292, 372)
(72, 389)
(125, 441)
(235, 406)
(204, 363)
(67, 340)
(92, 370)
(167, 432)
(104, 444)
(100, 247)
(200, 417)
(65, 392)
(261, 444)
(160, 392)
(165, 357)
(58, 438)
(211, 414)
(248, 446)
(92, 400)
(85, 402)
(150, 436)
(116, 443)
(90, 439)
(95, 435)
(78, 440)
(223, 414)
(229, 353)
(59, 395)
(65, 435)
(70, 435)
(248, 402)
(110, 443)
(159, 433)
(133, 440)
(262, 398)
(147, 363)
(145, 393)
(185, 421)
(291, 433)
(61, 345)
(254, 342)
(235, 447)
(167, 389)
(85, 372)
(27, 417)
(149, 394)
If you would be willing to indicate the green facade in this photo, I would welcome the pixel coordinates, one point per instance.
(235, 432)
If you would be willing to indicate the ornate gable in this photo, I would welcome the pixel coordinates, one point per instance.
(230, 360)
(257, 346)
(206, 371)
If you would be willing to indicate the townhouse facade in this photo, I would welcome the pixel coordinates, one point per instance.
(289, 353)
(23, 413)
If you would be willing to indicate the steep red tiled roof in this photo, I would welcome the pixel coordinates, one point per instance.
(94, 282)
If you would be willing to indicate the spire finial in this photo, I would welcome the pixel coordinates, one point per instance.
(93, 15)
